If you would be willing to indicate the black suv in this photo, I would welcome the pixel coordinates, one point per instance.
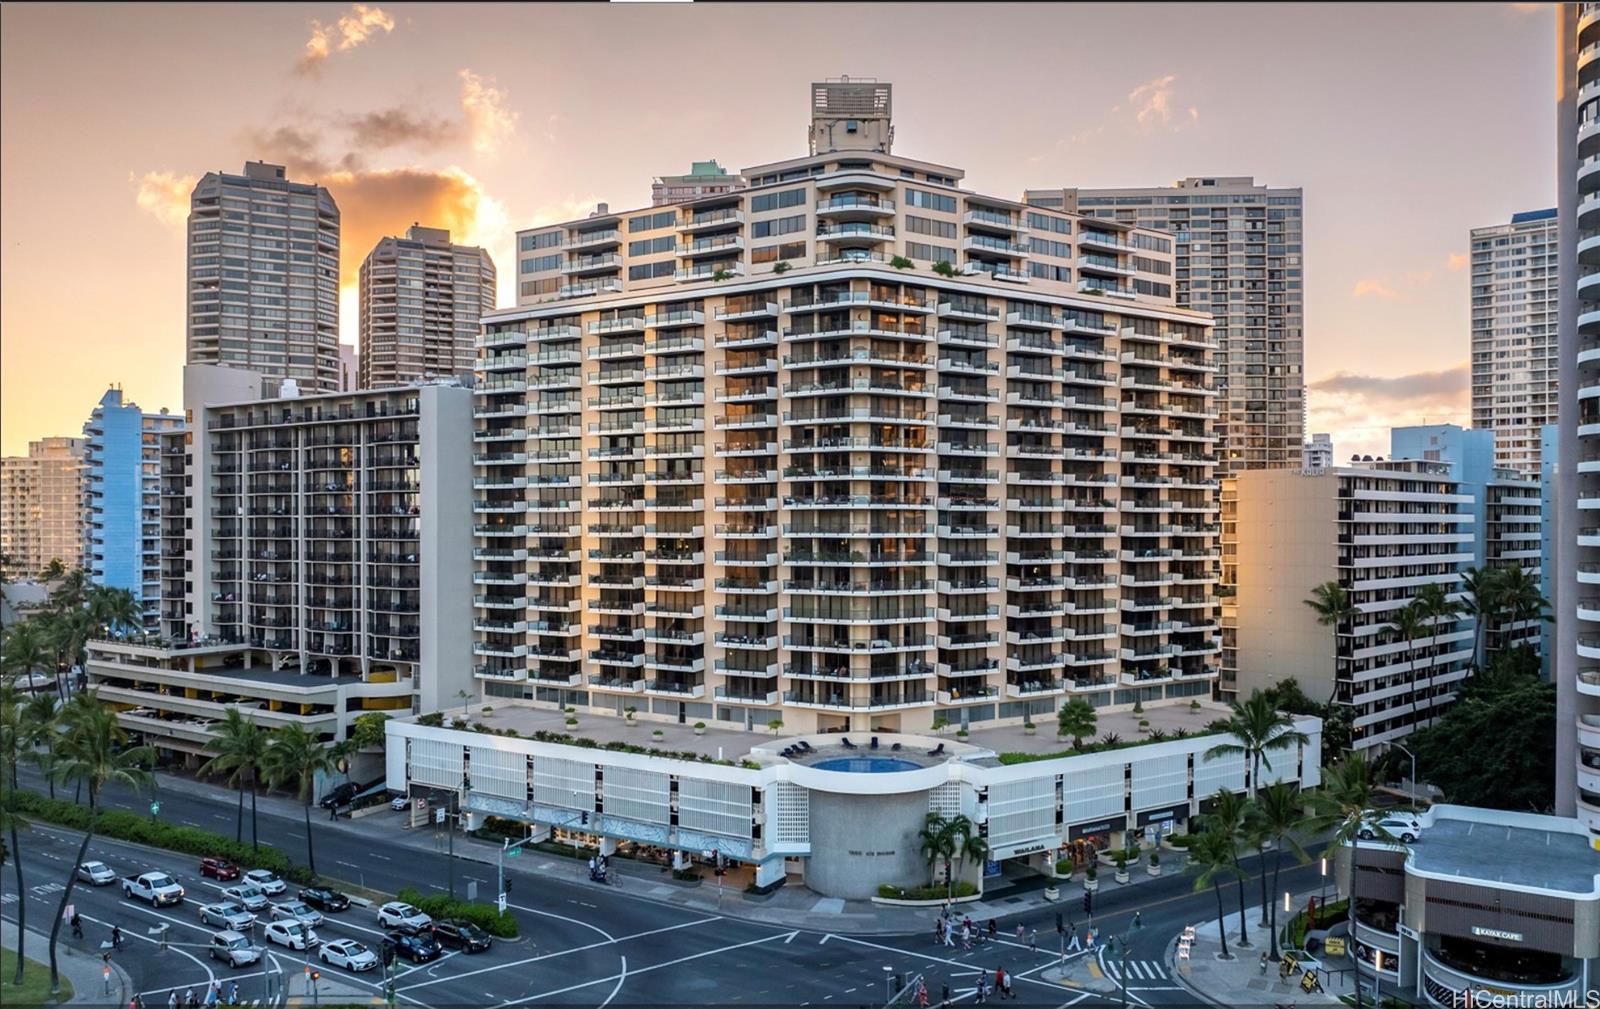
(324, 899)
(461, 935)
(341, 795)
(419, 948)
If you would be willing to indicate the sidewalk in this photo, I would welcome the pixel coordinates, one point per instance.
(790, 906)
(1239, 981)
(82, 970)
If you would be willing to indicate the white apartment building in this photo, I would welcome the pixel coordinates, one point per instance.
(1241, 257)
(1577, 634)
(1381, 531)
(854, 447)
(314, 549)
(421, 299)
(41, 507)
(1512, 534)
(263, 276)
(1514, 335)
(705, 178)
(1318, 452)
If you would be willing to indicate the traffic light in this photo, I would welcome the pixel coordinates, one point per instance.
(1088, 902)
(316, 975)
(1061, 926)
(388, 955)
(585, 815)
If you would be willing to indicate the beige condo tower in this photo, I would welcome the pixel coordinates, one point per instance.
(421, 299)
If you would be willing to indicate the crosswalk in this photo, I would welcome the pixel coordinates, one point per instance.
(1138, 970)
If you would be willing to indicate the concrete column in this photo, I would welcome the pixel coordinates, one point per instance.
(769, 872)
(539, 833)
(680, 860)
(608, 846)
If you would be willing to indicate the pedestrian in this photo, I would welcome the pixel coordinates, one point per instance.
(116, 937)
(77, 926)
(1072, 944)
(938, 931)
(950, 934)
(1000, 981)
(1088, 938)
(1138, 920)
(1264, 959)
(922, 994)
(966, 936)
(233, 994)
(1019, 931)
(979, 991)
(1033, 941)
(172, 999)
(944, 995)
(994, 929)
(189, 999)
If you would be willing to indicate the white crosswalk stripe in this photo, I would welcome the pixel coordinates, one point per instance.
(1138, 970)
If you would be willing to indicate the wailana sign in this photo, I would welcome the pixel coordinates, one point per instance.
(1495, 933)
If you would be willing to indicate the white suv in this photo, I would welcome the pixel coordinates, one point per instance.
(1403, 827)
(403, 918)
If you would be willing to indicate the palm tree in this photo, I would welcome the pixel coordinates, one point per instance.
(1521, 596)
(1257, 729)
(1409, 624)
(69, 595)
(66, 634)
(91, 753)
(970, 845)
(1211, 856)
(115, 609)
(1333, 608)
(1340, 806)
(40, 730)
(12, 748)
(1077, 719)
(1227, 818)
(294, 753)
(1436, 607)
(52, 571)
(1482, 603)
(24, 648)
(239, 744)
(1278, 813)
(937, 845)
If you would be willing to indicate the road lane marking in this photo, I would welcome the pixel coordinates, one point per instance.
(620, 979)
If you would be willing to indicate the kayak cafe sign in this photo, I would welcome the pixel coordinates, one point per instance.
(1495, 933)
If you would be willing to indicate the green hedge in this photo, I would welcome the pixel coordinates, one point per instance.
(963, 888)
(1294, 933)
(443, 908)
(126, 826)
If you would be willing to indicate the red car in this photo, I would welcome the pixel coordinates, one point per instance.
(219, 869)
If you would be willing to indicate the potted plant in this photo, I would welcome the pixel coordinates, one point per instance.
(1028, 728)
(944, 269)
(699, 728)
(488, 710)
(1052, 892)
(572, 721)
(1138, 707)
(656, 735)
(1155, 863)
(780, 267)
(1091, 877)
(1122, 867)
(628, 713)
(1194, 705)
(961, 733)
(901, 263)
(775, 725)
(721, 275)
(1144, 725)
(940, 723)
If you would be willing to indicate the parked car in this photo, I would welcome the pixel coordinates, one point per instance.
(251, 896)
(297, 910)
(1403, 827)
(462, 935)
(96, 874)
(233, 949)
(402, 917)
(349, 954)
(399, 803)
(30, 682)
(416, 947)
(267, 880)
(219, 869)
(341, 795)
(291, 933)
(324, 899)
(227, 914)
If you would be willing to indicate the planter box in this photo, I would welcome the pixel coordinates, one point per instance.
(894, 902)
(1091, 885)
(1121, 876)
(1154, 870)
(1052, 893)
(356, 814)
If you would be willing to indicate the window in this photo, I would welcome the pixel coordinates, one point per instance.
(931, 201)
(1046, 247)
(547, 240)
(653, 222)
(1047, 222)
(930, 253)
(533, 287)
(1048, 271)
(929, 226)
(778, 226)
(773, 253)
(649, 271)
(1152, 288)
(539, 264)
(1152, 243)
(776, 201)
(1145, 264)
(652, 246)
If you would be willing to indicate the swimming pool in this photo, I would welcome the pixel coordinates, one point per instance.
(866, 765)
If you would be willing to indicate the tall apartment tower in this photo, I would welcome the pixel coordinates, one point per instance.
(1514, 335)
(421, 299)
(122, 497)
(41, 507)
(1577, 666)
(705, 178)
(1240, 257)
(263, 276)
(1318, 452)
(854, 448)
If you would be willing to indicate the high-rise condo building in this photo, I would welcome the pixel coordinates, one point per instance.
(1514, 335)
(1318, 452)
(705, 178)
(122, 497)
(1240, 257)
(263, 276)
(1380, 531)
(1577, 665)
(41, 507)
(855, 447)
(421, 299)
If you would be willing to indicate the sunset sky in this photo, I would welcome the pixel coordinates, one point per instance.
(1407, 126)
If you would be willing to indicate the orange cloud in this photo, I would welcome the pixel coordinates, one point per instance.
(1152, 101)
(1374, 289)
(350, 31)
(489, 122)
(165, 195)
(1360, 409)
(1457, 261)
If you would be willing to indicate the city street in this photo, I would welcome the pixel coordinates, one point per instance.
(584, 944)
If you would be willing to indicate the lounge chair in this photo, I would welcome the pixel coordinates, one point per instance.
(895, 747)
(874, 742)
(806, 747)
(936, 751)
(847, 744)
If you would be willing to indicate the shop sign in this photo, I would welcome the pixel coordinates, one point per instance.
(1495, 933)
(1099, 827)
(1163, 815)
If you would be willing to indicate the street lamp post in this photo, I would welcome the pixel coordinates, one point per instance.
(1324, 899)
(1413, 758)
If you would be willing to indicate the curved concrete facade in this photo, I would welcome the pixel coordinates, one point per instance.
(860, 841)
